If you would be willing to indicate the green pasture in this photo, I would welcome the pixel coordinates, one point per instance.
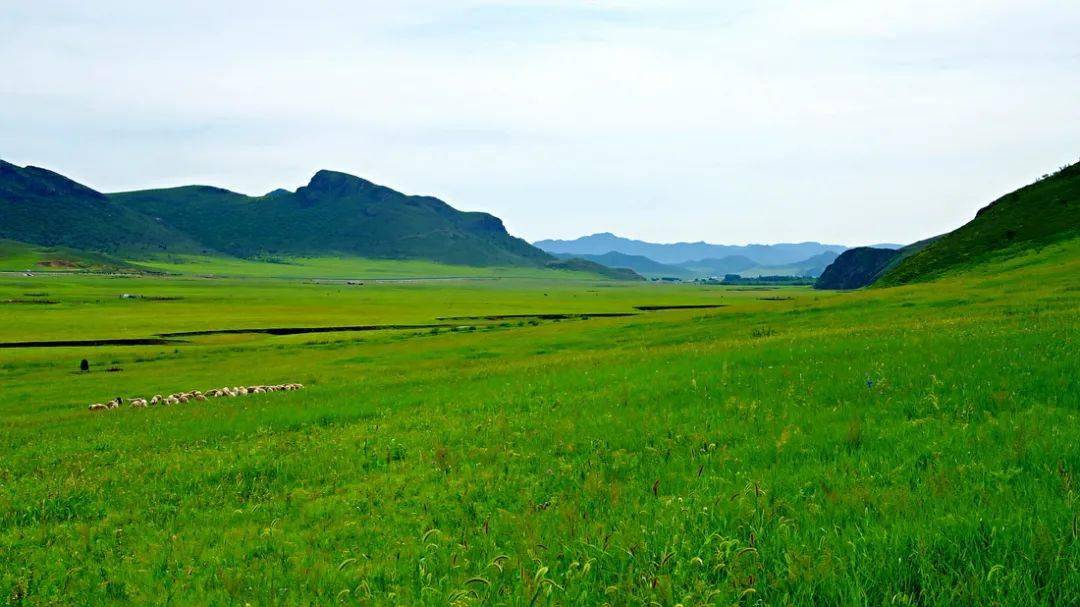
(345, 268)
(916, 445)
(21, 257)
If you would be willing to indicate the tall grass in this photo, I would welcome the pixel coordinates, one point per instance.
(909, 446)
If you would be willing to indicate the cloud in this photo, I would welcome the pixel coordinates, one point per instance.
(679, 120)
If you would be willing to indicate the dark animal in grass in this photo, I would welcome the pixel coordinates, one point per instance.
(84, 366)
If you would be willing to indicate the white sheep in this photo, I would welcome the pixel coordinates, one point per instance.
(177, 398)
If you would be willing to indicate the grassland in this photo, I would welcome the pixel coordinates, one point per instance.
(345, 268)
(917, 445)
(21, 257)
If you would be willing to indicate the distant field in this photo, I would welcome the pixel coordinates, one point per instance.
(20, 257)
(346, 268)
(910, 446)
(89, 306)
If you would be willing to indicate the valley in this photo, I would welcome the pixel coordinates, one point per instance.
(540, 429)
(539, 303)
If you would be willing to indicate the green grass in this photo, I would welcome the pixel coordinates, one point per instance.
(916, 445)
(345, 268)
(21, 257)
(91, 306)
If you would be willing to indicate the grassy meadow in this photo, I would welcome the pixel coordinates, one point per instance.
(345, 268)
(916, 445)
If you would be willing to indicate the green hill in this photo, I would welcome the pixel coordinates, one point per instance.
(335, 213)
(861, 266)
(41, 207)
(1044, 212)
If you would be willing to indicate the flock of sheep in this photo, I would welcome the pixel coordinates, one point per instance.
(183, 397)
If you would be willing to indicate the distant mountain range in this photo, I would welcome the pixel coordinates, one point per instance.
(811, 267)
(1044, 212)
(638, 263)
(334, 214)
(688, 260)
(682, 252)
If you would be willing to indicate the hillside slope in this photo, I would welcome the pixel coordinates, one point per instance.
(41, 207)
(860, 267)
(1035, 215)
(335, 213)
(855, 268)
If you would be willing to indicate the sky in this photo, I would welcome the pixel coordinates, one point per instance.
(841, 121)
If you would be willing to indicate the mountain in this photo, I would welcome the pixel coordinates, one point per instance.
(682, 252)
(730, 264)
(745, 267)
(816, 265)
(1041, 213)
(638, 263)
(811, 267)
(45, 208)
(856, 268)
(335, 213)
(708, 268)
(860, 267)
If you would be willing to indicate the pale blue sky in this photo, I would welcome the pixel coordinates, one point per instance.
(747, 121)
